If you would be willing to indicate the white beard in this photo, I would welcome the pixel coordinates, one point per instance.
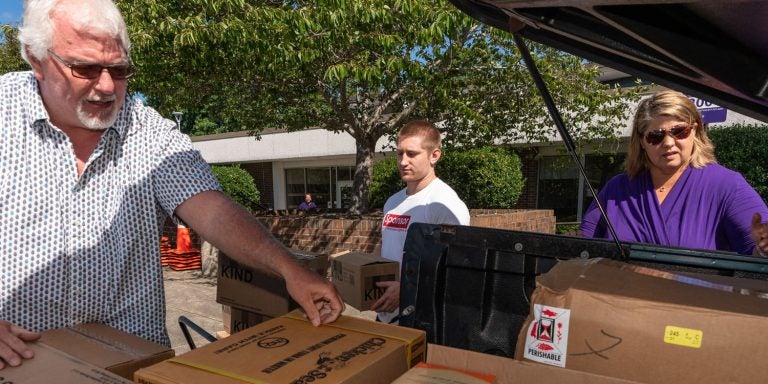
(98, 122)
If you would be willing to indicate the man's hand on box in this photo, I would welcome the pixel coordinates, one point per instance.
(13, 344)
(316, 296)
(390, 300)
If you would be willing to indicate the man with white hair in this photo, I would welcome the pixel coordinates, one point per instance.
(87, 179)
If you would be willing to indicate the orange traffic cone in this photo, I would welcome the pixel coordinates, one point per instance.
(183, 241)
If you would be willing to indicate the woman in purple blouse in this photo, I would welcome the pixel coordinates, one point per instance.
(673, 191)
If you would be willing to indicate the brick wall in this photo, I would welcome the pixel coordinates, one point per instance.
(529, 220)
(334, 234)
(325, 233)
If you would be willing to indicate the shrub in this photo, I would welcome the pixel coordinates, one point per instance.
(488, 177)
(239, 185)
(744, 148)
(385, 181)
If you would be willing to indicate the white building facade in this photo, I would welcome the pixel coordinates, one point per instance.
(286, 165)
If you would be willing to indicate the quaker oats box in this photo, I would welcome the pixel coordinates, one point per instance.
(637, 323)
(355, 275)
(258, 291)
(51, 365)
(289, 349)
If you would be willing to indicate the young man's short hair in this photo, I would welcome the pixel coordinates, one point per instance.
(423, 128)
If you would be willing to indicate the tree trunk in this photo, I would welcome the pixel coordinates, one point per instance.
(361, 185)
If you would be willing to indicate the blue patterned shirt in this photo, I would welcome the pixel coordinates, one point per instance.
(77, 249)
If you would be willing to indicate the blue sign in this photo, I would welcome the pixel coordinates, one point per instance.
(710, 113)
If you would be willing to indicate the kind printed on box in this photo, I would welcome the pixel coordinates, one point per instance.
(547, 336)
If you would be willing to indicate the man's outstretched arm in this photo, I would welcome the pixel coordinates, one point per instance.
(237, 233)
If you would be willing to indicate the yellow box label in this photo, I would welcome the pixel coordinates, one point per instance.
(683, 336)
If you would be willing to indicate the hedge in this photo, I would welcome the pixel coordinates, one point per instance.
(489, 177)
(238, 184)
(744, 148)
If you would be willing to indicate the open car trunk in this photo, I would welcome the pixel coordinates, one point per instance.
(470, 287)
(715, 50)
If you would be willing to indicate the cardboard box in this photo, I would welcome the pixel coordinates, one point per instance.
(289, 349)
(640, 324)
(355, 275)
(259, 291)
(53, 366)
(236, 319)
(106, 347)
(429, 373)
(512, 371)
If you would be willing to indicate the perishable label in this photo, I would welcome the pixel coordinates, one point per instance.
(547, 337)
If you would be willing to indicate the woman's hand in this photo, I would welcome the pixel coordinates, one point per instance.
(760, 236)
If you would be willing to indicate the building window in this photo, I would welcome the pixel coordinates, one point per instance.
(559, 187)
(562, 189)
(295, 186)
(329, 186)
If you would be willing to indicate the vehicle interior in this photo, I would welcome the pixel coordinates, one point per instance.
(469, 287)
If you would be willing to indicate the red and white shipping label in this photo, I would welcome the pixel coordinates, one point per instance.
(547, 338)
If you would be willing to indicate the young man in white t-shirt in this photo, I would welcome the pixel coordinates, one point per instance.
(425, 199)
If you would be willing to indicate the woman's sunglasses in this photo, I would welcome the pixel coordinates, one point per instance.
(681, 132)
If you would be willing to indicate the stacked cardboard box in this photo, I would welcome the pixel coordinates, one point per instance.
(355, 275)
(236, 319)
(641, 324)
(86, 353)
(251, 296)
(289, 349)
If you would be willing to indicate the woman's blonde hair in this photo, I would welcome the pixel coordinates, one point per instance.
(678, 106)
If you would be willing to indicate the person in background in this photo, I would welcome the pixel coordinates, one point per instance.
(89, 177)
(307, 204)
(673, 192)
(425, 199)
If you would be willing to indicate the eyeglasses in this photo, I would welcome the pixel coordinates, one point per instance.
(92, 71)
(680, 132)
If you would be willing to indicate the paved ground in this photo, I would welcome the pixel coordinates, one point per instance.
(188, 293)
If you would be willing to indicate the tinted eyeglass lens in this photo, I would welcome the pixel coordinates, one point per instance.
(657, 136)
(92, 71)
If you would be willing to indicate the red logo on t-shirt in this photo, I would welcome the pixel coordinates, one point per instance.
(396, 221)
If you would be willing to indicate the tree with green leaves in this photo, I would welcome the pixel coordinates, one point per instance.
(364, 67)
(10, 55)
